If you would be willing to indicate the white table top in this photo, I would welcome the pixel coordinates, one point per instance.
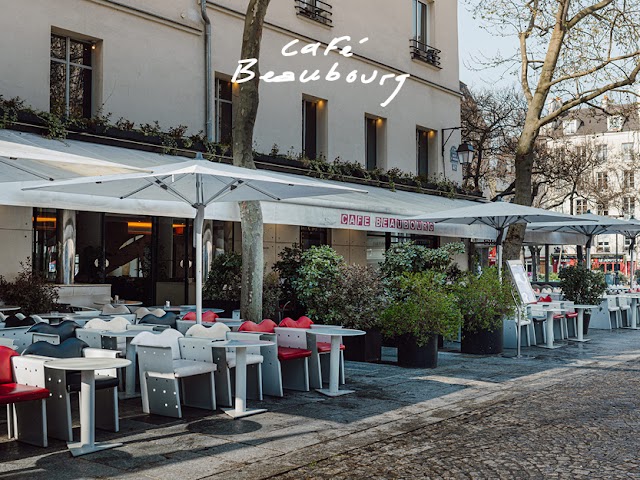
(88, 363)
(130, 303)
(57, 315)
(8, 308)
(584, 307)
(337, 332)
(241, 343)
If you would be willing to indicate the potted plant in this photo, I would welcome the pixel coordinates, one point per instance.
(484, 302)
(359, 302)
(222, 287)
(583, 287)
(30, 291)
(422, 308)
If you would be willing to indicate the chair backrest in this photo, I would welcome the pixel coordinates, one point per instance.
(142, 328)
(20, 336)
(90, 337)
(265, 326)
(302, 322)
(169, 319)
(196, 349)
(168, 338)
(109, 309)
(218, 331)
(116, 324)
(6, 342)
(291, 337)
(64, 330)
(207, 316)
(51, 338)
(18, 320)
(6, 370)
(70, 348)
(245, 336)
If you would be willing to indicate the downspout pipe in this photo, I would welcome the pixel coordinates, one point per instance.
(207, 72)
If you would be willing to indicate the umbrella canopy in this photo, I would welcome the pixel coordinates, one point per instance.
(499, 215)
(27, 163)
(197, 183)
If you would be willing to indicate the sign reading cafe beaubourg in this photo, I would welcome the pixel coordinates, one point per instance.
(376, 221)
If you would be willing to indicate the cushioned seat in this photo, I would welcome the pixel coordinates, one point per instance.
(207, 316)
(558, 317)
(252, 359)
(325, 347)
(64, 330)
(302, 322)
(188, 368)
(102, 382)
(287, 353)
(13, 321)
(168, 319)
(15, 392)
(70, 348)
(572, 315)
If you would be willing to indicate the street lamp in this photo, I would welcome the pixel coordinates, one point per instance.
(465, 153)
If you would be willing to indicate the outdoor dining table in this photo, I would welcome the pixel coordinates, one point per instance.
(9, 308)
(580, 333)
(182, 309)
(550, 310)
(55, 317)
(87, 368)
(633, 320)
(334, 357)
(126, 303)
(240, 346)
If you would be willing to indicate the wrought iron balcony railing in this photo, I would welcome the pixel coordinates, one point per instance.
(422, 51)
(315, 10)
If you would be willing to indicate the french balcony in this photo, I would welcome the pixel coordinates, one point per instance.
(423, 52)
(316, 10)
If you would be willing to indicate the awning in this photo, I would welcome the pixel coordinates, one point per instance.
(382, 210)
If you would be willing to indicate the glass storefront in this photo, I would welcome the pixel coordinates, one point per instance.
(379, 242)
(45, 242)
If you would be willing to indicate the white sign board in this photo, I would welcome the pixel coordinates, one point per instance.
(521, 280)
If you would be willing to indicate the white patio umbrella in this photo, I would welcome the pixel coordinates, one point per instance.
(197, 183)
(498, 215)
(586, 224)
(20, 162)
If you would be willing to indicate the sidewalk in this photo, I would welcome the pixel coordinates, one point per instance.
(565, 413)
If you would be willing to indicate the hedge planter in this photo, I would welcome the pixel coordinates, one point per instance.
(483, 342)
(364, 348)
(227, 305)
(585, 322)
(411, 355)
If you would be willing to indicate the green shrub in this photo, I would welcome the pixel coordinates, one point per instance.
(422, 308)
(225, 278)
(411, 258)
(317, 281)
(287, 269)
(271, 295)
(581, 285)
(30, 291)
(360, 298)
(483, 300)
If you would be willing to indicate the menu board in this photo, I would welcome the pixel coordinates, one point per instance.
(521, 281)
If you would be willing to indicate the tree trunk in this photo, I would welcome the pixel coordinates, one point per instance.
(245, 110)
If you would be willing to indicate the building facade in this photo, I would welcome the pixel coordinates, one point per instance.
(142, 61)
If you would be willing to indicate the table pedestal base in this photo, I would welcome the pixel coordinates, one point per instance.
(575, 339)
(632, 328)
(329, 393)
(79, 448)
(550, 347)
(233, 413)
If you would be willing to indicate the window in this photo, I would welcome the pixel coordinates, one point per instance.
(45, 242)
(602, 180)
(313, 237)
(581, 206)
(603, 246)
(70, 83)
(627, 152)
(601, 153)
(309, 129)
(581, 151)
(615, 123)
(315, 10)
(603, 209)
(420, 49)
(422, 151)
(374, 142)
(224, 111)
(629, 180)
(569, 127)
(628, 205)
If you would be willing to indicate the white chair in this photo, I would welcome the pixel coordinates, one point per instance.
(615, 313)
(293, 356)
(625, 311)
(109, 309)
(143, 311)
(162, 369)
(225, 361)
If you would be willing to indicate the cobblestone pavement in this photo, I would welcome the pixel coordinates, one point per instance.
(583, 428)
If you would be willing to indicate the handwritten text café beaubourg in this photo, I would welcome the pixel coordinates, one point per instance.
(244, 72)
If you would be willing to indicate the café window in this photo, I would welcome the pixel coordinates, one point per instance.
(224, 111)
(374, 142)
(309, 129)
(313, 237)
(45, 242)
(379, 242)
(71, 77)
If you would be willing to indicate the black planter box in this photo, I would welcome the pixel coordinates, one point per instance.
(411, 355)
(483, 342)
(227, 305)
(364, 348)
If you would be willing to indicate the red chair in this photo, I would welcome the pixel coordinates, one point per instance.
(26, 409)
(207, 316)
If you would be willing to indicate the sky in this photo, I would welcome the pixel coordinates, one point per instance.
(476, 42)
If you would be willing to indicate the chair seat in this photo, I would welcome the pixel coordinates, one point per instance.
(102, 382)
(252, 359)
(187, 368)
(16, 392)
(572, 315)
(325, 347)
(558, 317)
(614, 309)
(287, 353)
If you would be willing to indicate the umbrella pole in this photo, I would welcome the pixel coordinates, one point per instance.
(198, 226)
(632, 252)
(588, 249)
(499, 251)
